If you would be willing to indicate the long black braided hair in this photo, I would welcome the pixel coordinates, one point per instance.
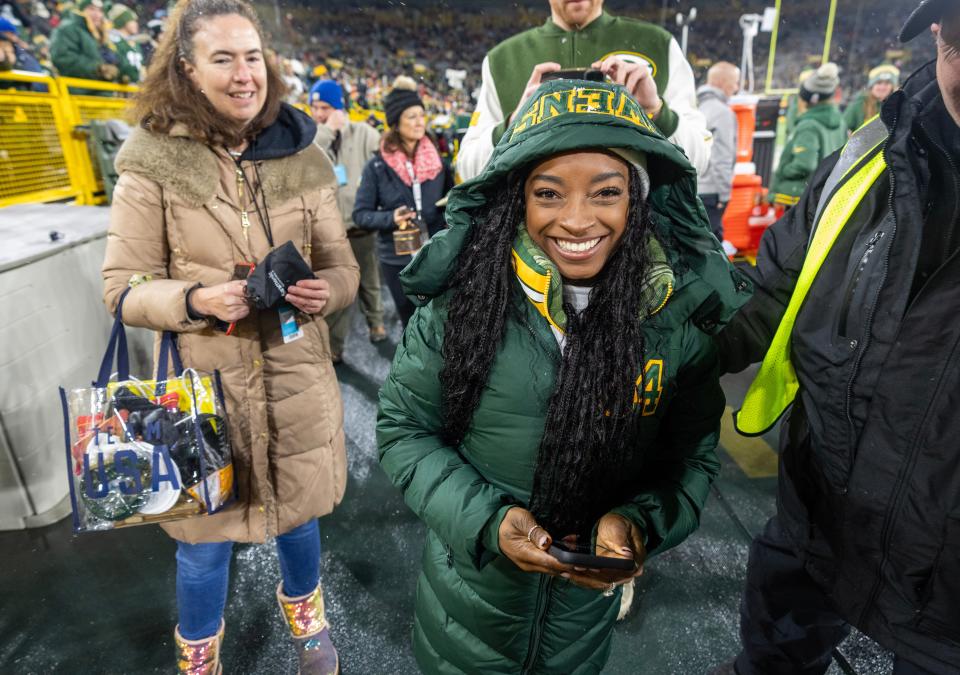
(591, 419)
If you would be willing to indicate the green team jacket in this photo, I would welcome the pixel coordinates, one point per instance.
(73, 49)
(512, 61)
(476, 612)
(507, 67)
(818, 133)
(855, 114)
(130, 58)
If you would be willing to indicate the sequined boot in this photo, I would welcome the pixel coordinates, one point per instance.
(199, 657)
(310, 632)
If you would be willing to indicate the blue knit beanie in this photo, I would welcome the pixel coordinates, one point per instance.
(327, 91)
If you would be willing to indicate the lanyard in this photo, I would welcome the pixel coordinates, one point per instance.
(417, 192)
(418, 202)
(263, 217)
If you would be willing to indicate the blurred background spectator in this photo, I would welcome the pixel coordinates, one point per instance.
(723, 81)
(12, 12)
(80, 46)
(123, 36)
(881, 82)
(15, 54)
(818, 132)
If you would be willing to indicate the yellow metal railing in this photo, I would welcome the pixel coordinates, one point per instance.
(85, 101)
(358, 114)
(44, 153)
(35, 160)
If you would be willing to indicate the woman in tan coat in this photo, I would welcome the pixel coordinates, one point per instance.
(218, 172)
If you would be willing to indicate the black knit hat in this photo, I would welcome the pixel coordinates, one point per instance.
(402, 96)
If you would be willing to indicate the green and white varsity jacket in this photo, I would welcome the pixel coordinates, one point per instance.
(507, 67)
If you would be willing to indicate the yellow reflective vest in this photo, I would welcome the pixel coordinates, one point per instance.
(860, 165)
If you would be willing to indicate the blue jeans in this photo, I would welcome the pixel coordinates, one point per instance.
(203, 572)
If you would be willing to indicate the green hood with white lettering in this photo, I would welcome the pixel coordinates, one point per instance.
(571, 115)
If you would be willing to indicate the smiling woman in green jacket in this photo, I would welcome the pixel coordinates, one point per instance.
(556, 382)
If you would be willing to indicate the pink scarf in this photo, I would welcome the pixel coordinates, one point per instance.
(426, 162)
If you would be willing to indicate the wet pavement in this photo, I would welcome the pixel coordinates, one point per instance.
(104, 602)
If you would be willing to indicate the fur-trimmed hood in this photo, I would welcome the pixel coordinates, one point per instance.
(191, 169)
(178, 220)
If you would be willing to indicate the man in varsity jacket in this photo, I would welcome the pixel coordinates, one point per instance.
(579, 34)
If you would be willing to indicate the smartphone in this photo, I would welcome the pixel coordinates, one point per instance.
(583, 556)
(588, 74)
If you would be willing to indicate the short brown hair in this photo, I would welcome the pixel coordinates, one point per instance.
(168, 96)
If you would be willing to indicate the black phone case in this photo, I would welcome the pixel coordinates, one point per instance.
(565, 555)
(586, 74)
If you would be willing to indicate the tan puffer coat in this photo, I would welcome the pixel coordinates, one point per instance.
(176, 220)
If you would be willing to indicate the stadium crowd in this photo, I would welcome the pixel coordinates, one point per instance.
(366, 47)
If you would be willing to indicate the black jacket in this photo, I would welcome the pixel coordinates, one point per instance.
(869, 487)
(381, 191)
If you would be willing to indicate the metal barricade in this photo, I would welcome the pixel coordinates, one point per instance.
(358, 114)
(36, 160)
(44, 150)
(84, 101)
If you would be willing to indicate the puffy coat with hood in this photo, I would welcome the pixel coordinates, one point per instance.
(476, 611)
(74, 50)
(869, 489)
(175, 222)
(819, 132)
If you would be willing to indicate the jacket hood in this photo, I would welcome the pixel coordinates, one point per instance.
(572, 115)
(827, 114)
(192, 170)
(75, 18)
(706, 92)
(290, 133)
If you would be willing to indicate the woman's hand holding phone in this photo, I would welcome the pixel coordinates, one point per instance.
(525, 543)
(618, 537)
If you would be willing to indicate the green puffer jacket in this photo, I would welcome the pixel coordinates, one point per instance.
(74, 50)
(476, 611)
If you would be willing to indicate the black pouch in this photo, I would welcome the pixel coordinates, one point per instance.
(282, 268)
